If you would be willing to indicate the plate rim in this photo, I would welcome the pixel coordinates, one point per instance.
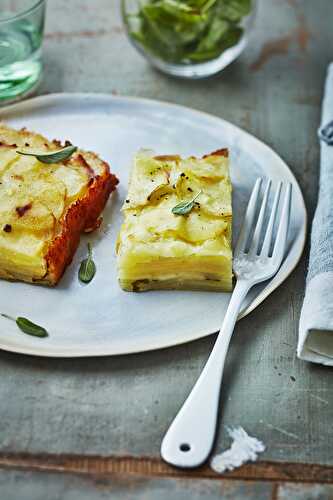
(48, 99)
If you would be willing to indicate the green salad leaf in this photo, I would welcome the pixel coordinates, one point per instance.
(187, 31)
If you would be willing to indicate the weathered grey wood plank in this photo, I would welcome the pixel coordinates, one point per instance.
(305, 492)
(16, 485)
(30, 485)
(122, 406)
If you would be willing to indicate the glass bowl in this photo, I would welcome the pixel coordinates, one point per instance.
(189, 38)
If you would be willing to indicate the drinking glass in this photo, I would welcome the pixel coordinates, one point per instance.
(21, 34)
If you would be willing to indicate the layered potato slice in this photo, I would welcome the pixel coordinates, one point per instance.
(45, 207)
(158, 249)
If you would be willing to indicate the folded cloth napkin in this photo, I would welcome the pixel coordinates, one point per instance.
(315, 341)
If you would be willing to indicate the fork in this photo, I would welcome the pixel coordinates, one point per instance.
(190, 438)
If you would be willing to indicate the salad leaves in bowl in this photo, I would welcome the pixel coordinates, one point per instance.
(189, 38)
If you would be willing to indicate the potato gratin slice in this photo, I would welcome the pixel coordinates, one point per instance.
(45, 207)
(160, 250)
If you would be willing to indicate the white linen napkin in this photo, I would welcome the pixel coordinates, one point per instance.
(315, 342)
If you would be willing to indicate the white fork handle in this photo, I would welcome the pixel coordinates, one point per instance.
(190, 437)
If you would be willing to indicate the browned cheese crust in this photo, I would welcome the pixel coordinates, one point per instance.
(83, 215)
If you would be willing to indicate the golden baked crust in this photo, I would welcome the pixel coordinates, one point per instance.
(83, 215)
(22, 177)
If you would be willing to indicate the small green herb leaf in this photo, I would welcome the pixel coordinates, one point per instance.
(53, 156)
(185, 207)
(27, 326)
(87, 268)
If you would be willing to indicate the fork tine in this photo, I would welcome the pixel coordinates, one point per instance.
(282, 233)
(249, 217)
(254, 246)
(269, 231)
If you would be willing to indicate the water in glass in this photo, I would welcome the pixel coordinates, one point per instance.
(21, 32)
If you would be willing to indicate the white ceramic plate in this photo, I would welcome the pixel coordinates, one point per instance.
(99, 319)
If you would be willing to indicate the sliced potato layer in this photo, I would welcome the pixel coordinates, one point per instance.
(34, 198)
(164, 250)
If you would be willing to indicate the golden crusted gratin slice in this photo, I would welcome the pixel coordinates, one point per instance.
(45, 207)
(158, 249)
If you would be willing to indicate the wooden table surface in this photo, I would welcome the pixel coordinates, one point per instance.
(91, 428)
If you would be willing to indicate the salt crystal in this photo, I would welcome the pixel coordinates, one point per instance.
(244, 448)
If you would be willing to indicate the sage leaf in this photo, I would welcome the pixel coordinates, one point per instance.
(52, 156)
(27, 326)
(185, 207)
(87, 267)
